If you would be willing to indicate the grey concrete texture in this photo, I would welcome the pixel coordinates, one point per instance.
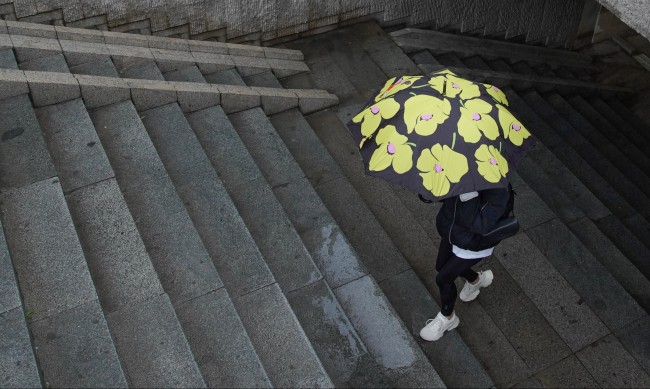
(73, 143)
(28, 48)
(118, 38)
(147, 94)
(225, 77)
(310, 153)
(275, 19)
(78, 53)
(213, 213)
(14, 83)
(265, 80)
(9, 293)
(313, 100)
(562, 307)
(51, 88)
(168, 60)
(24, 157)
(588, 277)
(5, 42)
(116, 255)
(636, 338)
(8, 59)
(219, 342)
(194, 97)
(611, 364)
(333, 336)
(79, 35)
(152, 346)
(188, 74)
(99, 91)
(53, 63)
(248, 66)
(146, 70)
(568, 373)
(284, 349)
(212, 62)
(176, 250)
(616, 263)
(450, 356)
(30, 29)
(323, 238)
(75, 349)
(47, 257)
(521, 322)
(236, 98)
(275, 100)
(18, 367)
(384, 334)
(278, 241)
(224, 147)
(266, 147)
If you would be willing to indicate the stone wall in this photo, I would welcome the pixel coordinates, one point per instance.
(634, 13)
(551, 22)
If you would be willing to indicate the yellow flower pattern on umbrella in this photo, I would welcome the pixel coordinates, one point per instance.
(423, 114)
(394, 85)
(512, 128)
(491, 164)
(371, 117)
(461, 87)
(475, 119)
(393, 149)
(439, 167)
(496, 93)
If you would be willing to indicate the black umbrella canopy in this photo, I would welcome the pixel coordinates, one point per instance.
(440, 135)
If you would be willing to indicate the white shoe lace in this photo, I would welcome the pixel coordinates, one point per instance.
(434, 324)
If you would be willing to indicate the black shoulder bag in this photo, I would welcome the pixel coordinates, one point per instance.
(506, 227)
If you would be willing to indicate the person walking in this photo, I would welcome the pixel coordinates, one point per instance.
(461, 222)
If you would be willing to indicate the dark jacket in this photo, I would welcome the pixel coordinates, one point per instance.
(473, 217)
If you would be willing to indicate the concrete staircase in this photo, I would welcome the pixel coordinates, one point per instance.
(193, 214)
(572, 290)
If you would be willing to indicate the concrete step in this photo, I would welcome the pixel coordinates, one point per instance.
(17, 362)
(245, 185)
(625, 129)
(595, 198)
(287, 258)
(411, 37)
(625, 112)
(24, 158)
(166, 56)
(70, 335)
(281, 170)
(327, 179)
(614, 132)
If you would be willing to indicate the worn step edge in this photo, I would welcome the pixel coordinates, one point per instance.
(151, 41)
(76, 53)
(489, 46)
(51, 88)
(505, 78)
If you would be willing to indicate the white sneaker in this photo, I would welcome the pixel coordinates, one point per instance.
(435, 328)
(470, 291)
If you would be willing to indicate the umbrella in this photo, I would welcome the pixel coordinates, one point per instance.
(440, 135)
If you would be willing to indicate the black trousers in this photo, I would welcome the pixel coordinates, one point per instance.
(450, 267)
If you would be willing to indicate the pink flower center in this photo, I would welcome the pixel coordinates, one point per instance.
(438, 168)
(426, 116)
(374, 109)
(495, 88)
(516, 127)
(493, 161)
(391, 149)
(476, 116)
(455, 86)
